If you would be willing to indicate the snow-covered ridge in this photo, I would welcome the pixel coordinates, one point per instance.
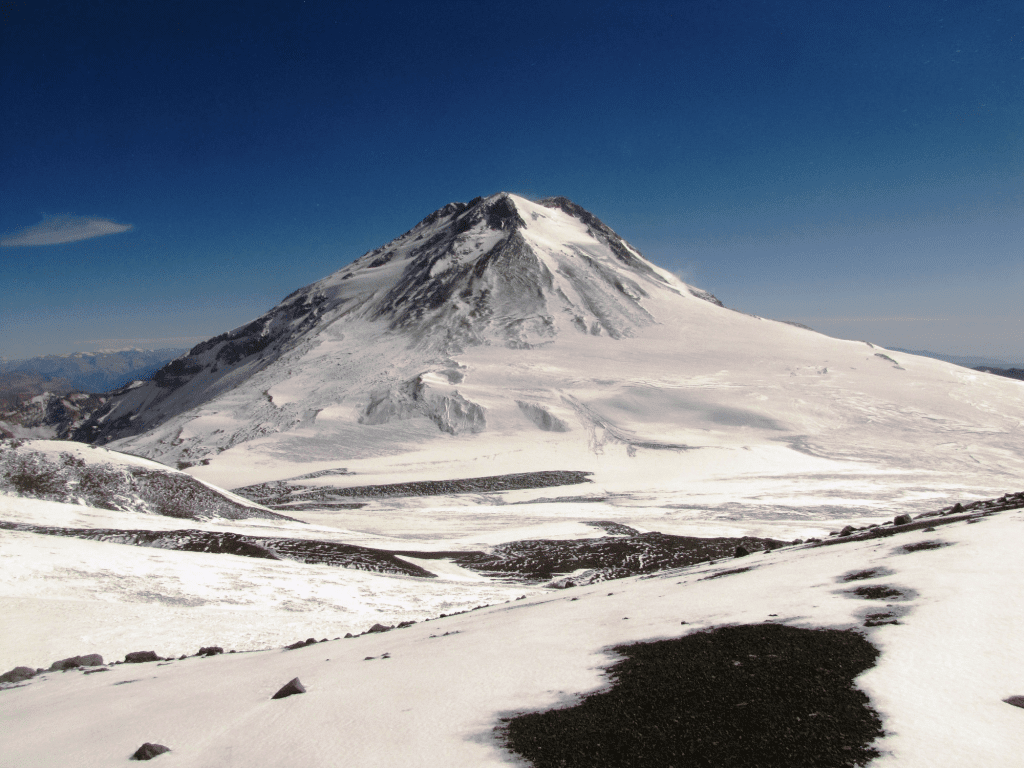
(97, 477)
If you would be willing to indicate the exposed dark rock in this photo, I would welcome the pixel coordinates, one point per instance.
(140, 657)
(728, 572)
(73, 662)
(1017, 701)
(292, 687)
(544, 559)
(611, 527)
(148, 751)
(741, 551)
(879, 592)
(300, 644)
(870, 573)
(765, 695)
(492, 484)
(210, 650)
(902, 520)
(924, 545)
(379, 628)
(18, 674)
(847, 530)
(221, 542)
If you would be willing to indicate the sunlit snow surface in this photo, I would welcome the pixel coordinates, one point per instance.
(938, 685)
(554, 350)
(693, 419)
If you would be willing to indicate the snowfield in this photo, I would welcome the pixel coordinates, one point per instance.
(386, 407)
(433, 693)
(508, 336)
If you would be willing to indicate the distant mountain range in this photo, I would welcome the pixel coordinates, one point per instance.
(967, 361)
(82, 371)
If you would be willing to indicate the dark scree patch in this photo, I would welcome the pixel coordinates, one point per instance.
(761, 695)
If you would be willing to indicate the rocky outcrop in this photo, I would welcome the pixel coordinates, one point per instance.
(18, 675)
(290, 688)
(140, 657)
(108, 480)
(74, 662)
(148, 751)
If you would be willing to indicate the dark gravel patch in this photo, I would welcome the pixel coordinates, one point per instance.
(729, 572)
(764, 695)
(282, 491)
(219, 542)
(613, 528)
(923, 545)
(869, 573)
(542, 559)
(879, 592)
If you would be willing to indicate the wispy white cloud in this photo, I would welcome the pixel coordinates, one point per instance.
(54, 230)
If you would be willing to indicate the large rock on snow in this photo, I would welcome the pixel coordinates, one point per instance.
(148, 751)
(292, 687)
(73, 662)
(18, 674)
(139, 657)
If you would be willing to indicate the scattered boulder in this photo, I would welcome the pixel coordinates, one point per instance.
(379, 628)
(210, 650)
(403, 624)
(301, 644)
(741, 551)
(139, 657)
(1017, 701)
(847, 530)
(957, 508)
(292, 687)
(902, 520)
(17, 675)
(73, 662)
(148, 751)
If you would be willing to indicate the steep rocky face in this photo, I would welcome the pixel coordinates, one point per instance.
(495, 271)
(56, 471)
(48, 415)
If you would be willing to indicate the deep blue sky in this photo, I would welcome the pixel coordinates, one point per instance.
(854, 166)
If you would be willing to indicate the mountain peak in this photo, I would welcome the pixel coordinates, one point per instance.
(496, 271)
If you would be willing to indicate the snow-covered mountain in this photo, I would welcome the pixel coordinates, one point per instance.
(505, 335)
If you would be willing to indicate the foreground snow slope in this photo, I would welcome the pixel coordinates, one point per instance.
(512, 336)
(59, 595)
(938, 685)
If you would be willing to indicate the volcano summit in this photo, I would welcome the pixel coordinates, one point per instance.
(504, 335)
